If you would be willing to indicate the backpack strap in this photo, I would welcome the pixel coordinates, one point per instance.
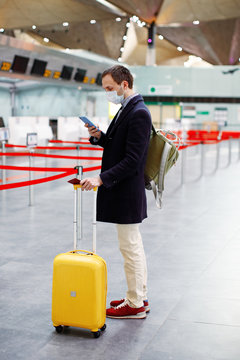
(158, 190)
(153, 129)
(158, 196)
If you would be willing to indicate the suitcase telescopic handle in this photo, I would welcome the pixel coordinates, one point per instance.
(76, 185)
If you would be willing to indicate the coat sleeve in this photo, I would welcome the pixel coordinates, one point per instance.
(100, 142)
(137, 140)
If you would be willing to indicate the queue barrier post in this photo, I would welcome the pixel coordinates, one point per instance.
(229, 151)
(31, 177)
(239, 149)
(78, 155)
(183, 163)
(47, 153)
(31, 143)
(218, 144)
(202, 162)
(219, 140)
(4, 162)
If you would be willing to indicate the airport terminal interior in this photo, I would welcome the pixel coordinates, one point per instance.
(185, 60)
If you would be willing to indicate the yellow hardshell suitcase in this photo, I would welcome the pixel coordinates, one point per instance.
(79, 284)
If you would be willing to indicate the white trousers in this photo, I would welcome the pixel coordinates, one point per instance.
(135, 266)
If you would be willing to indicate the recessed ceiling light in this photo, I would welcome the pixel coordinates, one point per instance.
(34, 27)
(65, 23)
(118, 19)
(140, 23)
(46, 40)
(160, 37)
(134, 18)
(196, 22)
(93, 21)
(2, 30)
(179, 48)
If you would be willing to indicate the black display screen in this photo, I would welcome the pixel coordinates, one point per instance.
(66, 72)
(80, 74)
(20, 64)
(99, 79)
(38, 67)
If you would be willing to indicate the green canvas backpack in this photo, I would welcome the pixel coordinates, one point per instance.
(162, 155)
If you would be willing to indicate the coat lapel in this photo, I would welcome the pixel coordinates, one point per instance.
(113, 126)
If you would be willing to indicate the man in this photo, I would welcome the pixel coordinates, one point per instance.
(121, 195)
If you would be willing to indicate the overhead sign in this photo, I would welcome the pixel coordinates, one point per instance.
(188, 111)
(202, 112)
(160, 89)
(221, 115)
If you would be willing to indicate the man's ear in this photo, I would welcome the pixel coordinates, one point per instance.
(125, 84)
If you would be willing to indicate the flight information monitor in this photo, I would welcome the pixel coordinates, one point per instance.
(38, 67)
(20, 64)
(80, 74)
(66, 72)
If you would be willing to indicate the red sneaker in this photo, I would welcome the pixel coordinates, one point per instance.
(115, 303)
(124, 311)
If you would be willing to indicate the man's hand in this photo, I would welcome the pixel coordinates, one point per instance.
(90, 183)
(95, 132)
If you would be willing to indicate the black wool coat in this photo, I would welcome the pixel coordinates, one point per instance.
(122, 198)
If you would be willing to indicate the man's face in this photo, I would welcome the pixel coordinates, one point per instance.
(109, 84)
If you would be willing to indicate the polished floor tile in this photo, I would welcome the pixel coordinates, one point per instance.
(192, 248)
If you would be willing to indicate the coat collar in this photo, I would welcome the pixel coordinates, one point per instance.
(113, 126)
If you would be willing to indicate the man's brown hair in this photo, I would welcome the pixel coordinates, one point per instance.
(119, 74)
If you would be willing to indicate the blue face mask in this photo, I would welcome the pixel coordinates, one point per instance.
(113, 97)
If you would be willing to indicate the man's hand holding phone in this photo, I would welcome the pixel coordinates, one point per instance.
(93, 131)
(92, 128)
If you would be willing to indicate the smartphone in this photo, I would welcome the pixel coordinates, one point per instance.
(87, 121)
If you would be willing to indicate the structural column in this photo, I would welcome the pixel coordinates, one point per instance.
(13, 92)
(151, 51)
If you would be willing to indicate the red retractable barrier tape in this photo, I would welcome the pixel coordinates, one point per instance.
(58, 147)
(69, 142)
(52, 156)
(65, 172)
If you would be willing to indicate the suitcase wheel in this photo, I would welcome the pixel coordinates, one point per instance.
(103, 328)
(59, 329)
(96, 334)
